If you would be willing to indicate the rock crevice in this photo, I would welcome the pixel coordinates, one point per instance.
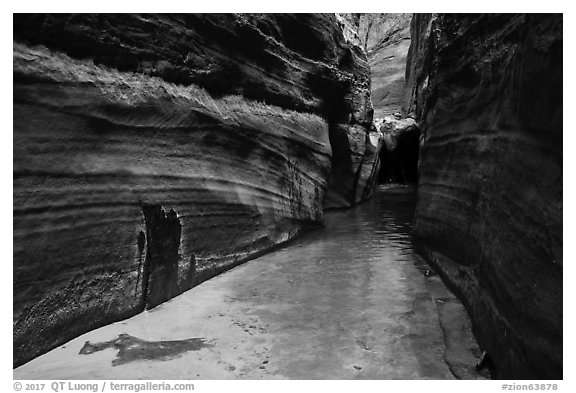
(160, 278)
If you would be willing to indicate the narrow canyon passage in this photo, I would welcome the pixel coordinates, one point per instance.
(346, 301)
(156, 156)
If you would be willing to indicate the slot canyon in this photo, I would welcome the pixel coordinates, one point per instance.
(287, 196)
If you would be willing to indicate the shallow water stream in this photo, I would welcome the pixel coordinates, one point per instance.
(348, 301)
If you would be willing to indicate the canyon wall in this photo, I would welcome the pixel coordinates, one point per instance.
(487, 90)
(354, 139)
(386, 40)
(152, 152)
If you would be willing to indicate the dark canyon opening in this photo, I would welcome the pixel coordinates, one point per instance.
(399, 164)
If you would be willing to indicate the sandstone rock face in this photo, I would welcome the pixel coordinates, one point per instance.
(416, 83)
(351, 27)
(355, 159)
(386, 39)
(488, 90)
(152, 152)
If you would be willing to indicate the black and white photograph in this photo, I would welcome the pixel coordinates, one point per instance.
(286, 196)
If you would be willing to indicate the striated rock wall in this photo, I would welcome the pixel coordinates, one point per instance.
(488, 93)
(355, 140)
(417, 62)
(386, 40)
(152, 152)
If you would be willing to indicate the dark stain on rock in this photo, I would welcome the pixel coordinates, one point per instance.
(132, 348)
(160, 275)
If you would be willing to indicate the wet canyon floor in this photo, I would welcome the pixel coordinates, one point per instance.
(350, 300)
